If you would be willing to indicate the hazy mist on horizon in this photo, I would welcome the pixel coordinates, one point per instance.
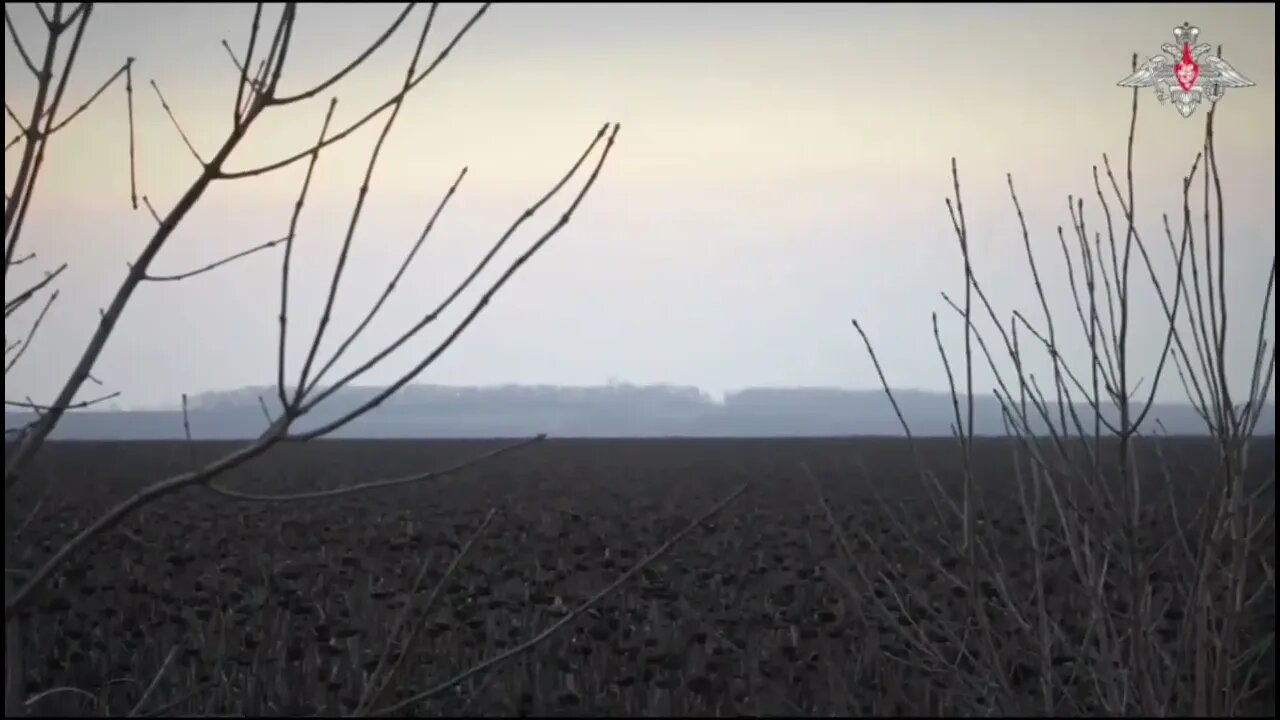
(781, 168)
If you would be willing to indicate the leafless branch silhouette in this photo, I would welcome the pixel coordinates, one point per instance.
(1081, 489)
(258, 93)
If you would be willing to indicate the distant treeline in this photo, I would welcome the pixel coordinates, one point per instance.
(605, 411)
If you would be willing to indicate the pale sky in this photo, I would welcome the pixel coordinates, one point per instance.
(781, 168)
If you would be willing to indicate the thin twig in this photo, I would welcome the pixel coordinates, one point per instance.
(534, 641)
(34, 699)
(215, 265)
(17, 43)
(155, 681)
(11, 306)
(73, 406)
(31, 335)
(466, 321)
(390, 102)
(378, 484)
(176, 125)
(379, 680)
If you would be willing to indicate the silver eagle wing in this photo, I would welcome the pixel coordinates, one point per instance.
(1154, 72)
(1217, 71)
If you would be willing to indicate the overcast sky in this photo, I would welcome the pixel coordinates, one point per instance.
(781, 168)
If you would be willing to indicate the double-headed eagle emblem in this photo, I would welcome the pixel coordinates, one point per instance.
(1187, 73)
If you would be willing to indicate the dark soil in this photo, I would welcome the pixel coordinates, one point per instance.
(286, 608)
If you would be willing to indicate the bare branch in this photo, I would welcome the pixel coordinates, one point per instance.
(274, 62)
(379, 680)
(476, 309)
(31, 335)
(884, 383)
(389, 103)
(177, 126)
(16, 121)
(475, 272)
(127, 67)
(33, 153)
(32, 441)
(155, 682)
(215, 265)
(17, 43)
(238, 108)
(11, 306)
(1044, 303)
(75, 113)
(73, 406)
(357, 62)
(121, 510)
(186, 420)
(285, 404)
(133, 161)
(565, 621)
(240, 68)
(34, 699)
(80, 9)
(254, 97)
(146, 201)
(391, 286)
(378, 484)
(31, 515)
(362, 194)
(267, 415)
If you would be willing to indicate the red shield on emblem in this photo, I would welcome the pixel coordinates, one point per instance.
(1187, 71)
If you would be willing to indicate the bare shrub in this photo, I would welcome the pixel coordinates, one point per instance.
(1131, 582)
(260, 90)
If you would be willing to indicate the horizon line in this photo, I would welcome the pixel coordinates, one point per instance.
(717, 398)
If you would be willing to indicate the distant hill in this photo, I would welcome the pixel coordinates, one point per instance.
(604, 411)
